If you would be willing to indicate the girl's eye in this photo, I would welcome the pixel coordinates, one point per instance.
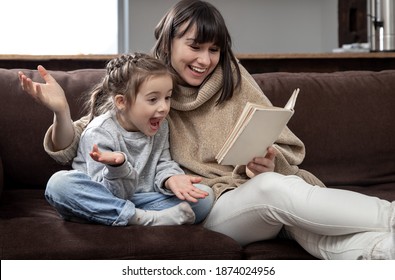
(152, 100)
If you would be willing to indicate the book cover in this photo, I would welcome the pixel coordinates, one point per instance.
(257, 128)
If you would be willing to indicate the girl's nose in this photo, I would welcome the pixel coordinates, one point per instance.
(163, 106)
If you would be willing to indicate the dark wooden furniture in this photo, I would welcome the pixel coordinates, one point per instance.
(353, 21)
(254, 63)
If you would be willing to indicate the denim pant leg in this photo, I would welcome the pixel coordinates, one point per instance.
(75, 195)
(157, 201)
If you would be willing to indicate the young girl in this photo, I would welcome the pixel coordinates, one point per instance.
(125, 153)
(270, 194)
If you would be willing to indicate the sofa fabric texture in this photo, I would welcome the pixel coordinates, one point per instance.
(345, 119)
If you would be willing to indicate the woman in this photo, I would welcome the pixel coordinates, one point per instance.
(256, 201)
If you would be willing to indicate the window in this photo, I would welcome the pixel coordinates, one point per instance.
(48, 27)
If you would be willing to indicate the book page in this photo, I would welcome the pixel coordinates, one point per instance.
(257, 128)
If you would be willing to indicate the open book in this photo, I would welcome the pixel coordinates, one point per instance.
(257, 128)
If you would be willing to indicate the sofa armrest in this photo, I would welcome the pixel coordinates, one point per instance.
(1, 177)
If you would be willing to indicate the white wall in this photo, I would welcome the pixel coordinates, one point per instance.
(256, 26)
(67, 27)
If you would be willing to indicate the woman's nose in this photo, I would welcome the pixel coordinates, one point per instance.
(204, 58)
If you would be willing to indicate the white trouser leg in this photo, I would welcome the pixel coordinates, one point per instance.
(340, 247)
(258, 209)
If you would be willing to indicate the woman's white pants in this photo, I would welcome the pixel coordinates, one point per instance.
(328, 223)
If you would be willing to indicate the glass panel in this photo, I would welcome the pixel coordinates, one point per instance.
(49, 27)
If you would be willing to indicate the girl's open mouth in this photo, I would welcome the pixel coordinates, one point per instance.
(155, 123)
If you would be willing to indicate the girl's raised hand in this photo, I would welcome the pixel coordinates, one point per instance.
(50, 94)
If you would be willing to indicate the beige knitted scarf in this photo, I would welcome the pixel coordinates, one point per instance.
(199, 127)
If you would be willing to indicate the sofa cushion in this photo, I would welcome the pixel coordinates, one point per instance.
(345, 119)
(31, 229)
(276, 249)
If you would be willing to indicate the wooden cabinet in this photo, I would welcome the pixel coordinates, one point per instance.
(353, 21)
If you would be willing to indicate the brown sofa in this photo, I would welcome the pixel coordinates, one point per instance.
(346, 120)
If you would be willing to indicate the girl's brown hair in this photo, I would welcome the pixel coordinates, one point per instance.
(124, 75)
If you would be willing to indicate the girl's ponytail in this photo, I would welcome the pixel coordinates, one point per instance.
(99, 101)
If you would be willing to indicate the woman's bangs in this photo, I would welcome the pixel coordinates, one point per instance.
(208, 30)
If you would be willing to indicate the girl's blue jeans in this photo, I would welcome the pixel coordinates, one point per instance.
(77, 197)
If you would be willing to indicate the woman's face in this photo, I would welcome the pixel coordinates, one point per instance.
(192, 61)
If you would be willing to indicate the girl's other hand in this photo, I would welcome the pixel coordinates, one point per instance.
(182, 186)
(110, 158)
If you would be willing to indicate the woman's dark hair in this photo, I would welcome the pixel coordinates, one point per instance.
(210, 27)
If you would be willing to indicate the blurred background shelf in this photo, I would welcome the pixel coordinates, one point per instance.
(254, 63)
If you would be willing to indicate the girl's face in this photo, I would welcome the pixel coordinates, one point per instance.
(150, 108)
(192, 61)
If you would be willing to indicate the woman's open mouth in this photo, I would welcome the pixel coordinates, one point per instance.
(197, 69)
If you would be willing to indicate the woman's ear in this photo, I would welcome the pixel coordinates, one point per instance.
(120, 101)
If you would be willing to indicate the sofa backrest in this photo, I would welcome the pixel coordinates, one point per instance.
(23, 124)
(345, 119)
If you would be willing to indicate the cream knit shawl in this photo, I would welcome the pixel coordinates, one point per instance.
(198, 129)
